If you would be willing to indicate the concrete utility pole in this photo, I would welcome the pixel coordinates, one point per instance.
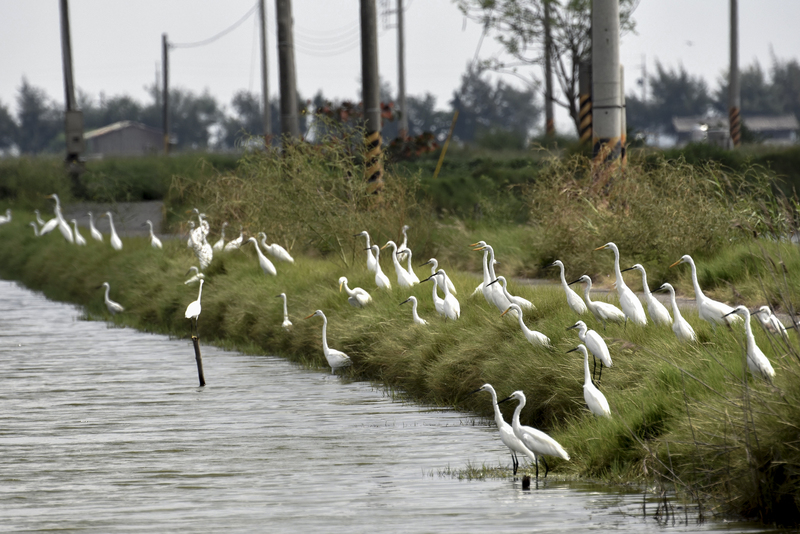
(165, 90)
(623, 132)
(73, 121)
(370, 85)
(264, 79)
(734, 98)
(606, 105)
(290, 127)
(401, 72)
(550, 125)
(585, 92)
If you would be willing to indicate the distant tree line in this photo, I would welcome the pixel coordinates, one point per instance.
(675, 92)
(488, 110)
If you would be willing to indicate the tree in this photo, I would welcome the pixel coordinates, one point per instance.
(756, 93)
(192, 117)
(786, 85)
(39, 119)
(248, 119)
(674, 93)
(484, 108)
(518, 25)
(8, 128)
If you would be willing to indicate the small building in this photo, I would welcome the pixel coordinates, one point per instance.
(124, 138)
(715, 129)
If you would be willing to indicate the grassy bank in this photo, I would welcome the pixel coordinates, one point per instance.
(686, 415)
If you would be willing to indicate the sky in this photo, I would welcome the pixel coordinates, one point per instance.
(116, 45)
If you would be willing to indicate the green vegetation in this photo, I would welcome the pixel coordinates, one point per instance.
(687, 415)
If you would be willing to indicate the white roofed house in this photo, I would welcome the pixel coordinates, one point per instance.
(124, 138)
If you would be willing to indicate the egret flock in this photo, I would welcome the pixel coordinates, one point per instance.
(519, 439)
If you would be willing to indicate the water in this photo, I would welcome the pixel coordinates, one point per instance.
(104, 429)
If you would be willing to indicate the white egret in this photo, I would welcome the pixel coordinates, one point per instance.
(603, 311)
(770, 323)
(487, 278)
(435, 267)
(403, 278)
(154, 241)
(712, 311)
(628, 301)
(683, 330)
(116, 242)
(201, 248)
(220, 244)
(658, 312)
(263, 261)
(507, 435)
(438, 302)
(60, 222)
(371, 260)
(7, 218)
(96, 235)
(533, 337)
(451, 306)
(35, 228)
(415, 316)
(113, 307)
(539, 443)
(756, 360)
(233, 244)
(513, 299)
(357, 297)
(596, 344)
(336, 358)
(190, 241)
(595, 400)
(574, 300)
(409, 268)
(194, 308)
(39, 218)
(197, 275)
(79, 240)
(275, 250)
(404, 245)
(286, 324)
(381, 280)
(493, 294)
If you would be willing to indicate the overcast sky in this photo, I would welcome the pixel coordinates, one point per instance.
(117, 44)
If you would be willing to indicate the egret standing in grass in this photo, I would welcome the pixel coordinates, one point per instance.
(414, 315)
(451, 306)
(409, 268)
(403, 278)
(263, 261)
(603, 311)
(96, 235)
(336, 358)
(7, 218)
(595, 400)
(35, 228)
(756, 360)
(233, 244)
(381, 280)
(113, 307)
(438, 302)
(683, 330)
(435, 267)
(709, 310)
(513, 299)
(220, 244)
(79, 240)
(286, 324)
(193, 309)
(628, 301)
(372, 262)
(357, 297)
(770, 323)
(534, 338)
(116, 242)
(197, 275)
(507, 435)
(154, 241)
(39, 219)
(539, 443)
(658, 312)
(596, 345)
(574, 301)
(275, 250)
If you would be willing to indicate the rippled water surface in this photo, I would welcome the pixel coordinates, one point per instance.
(104, 429)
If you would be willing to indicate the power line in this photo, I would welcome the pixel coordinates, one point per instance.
(220, 34)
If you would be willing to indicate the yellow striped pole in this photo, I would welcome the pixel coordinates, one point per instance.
(736, 126)
(374, 163)
(585, 99)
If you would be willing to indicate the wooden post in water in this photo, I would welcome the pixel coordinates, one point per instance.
(199, 358)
